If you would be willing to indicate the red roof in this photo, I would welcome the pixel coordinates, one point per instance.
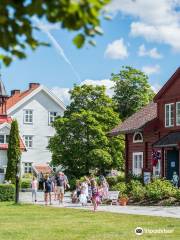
(44, 168)
(4, 146)
(137, 121)
(15, 98)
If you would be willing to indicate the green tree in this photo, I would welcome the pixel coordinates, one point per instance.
(81, 142)
(13, 152)
(131, 91)
(17, 25)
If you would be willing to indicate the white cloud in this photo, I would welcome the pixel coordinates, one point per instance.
(62, 93)
(105, 82)
(116, 50)
(157, 21)
(153, 53)
(156, 87)
(151, 69)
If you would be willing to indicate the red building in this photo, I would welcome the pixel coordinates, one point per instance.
(154, 131)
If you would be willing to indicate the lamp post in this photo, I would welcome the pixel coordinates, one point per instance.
(17, 182)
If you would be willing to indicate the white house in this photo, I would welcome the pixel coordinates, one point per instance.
(35, 109)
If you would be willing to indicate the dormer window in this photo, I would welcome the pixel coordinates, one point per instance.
(169, 115)
(138, 137)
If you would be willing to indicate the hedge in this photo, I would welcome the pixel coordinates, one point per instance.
(7, 192)
(25, 183)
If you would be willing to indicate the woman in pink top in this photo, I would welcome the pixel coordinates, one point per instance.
(34, 187)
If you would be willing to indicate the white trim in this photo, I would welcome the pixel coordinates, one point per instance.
(137, 171)
(137, 141)
(32, 94)
(177, 124)
(5, 124)
(49, 116)
(170, 117)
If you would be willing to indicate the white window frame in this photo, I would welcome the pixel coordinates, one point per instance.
(177, 114)
(29, 114)
(157, 169)
(27, 166)
(171, 116)
(137, 141)
(137, 171)
(27, 141)
(50, 116)
(5, 138)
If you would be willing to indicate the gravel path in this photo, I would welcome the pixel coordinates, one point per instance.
(174, 212)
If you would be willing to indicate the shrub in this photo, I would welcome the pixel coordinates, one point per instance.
(111, 181)
(25, 183)
(177, 194)
(7, 192)
(121, 177)
(121, 187)
(72, 183)
(160, 189)
(137, 190)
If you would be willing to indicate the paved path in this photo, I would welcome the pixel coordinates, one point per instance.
(173, 212)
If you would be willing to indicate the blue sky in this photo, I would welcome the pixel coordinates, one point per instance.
(142, 34)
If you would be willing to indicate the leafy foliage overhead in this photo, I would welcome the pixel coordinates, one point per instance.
(17, 26)
(81, 143)
(131, 91)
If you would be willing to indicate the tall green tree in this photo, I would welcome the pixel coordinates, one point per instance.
(17, 26)
(13, 152)
(81, 142)
(131, 91)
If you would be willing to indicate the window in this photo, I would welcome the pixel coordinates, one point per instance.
(28, 116)
(52, 116)
(28, 141)
(27, 167)
(4, 139)
(157, 169)
(137, 163)
(137, 138)
(178, 113)
(169, 115)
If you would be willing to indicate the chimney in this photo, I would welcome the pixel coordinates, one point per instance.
(33, 85)
(16, 91)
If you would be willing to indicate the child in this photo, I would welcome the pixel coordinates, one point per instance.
(175, 179)
(34, 187)
(83, 195)
(95, 194)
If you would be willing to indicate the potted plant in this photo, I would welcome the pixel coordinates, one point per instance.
(123, 200)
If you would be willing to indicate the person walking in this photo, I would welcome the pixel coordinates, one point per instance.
(34, 188)
(61, 182)
(95, 194)
(48, 187)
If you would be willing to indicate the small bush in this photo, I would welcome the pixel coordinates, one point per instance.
(136, 190)
(72, 183)
(121, 187)
(25, 183)
(177, 194)
(7, 192)
(111, 181)
(160, 189)
(121, 177)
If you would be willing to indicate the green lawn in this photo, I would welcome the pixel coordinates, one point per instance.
(28, 222)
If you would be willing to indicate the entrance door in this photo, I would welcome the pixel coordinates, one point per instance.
(172, 163)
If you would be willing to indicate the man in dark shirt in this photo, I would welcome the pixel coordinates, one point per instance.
(61, 183)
